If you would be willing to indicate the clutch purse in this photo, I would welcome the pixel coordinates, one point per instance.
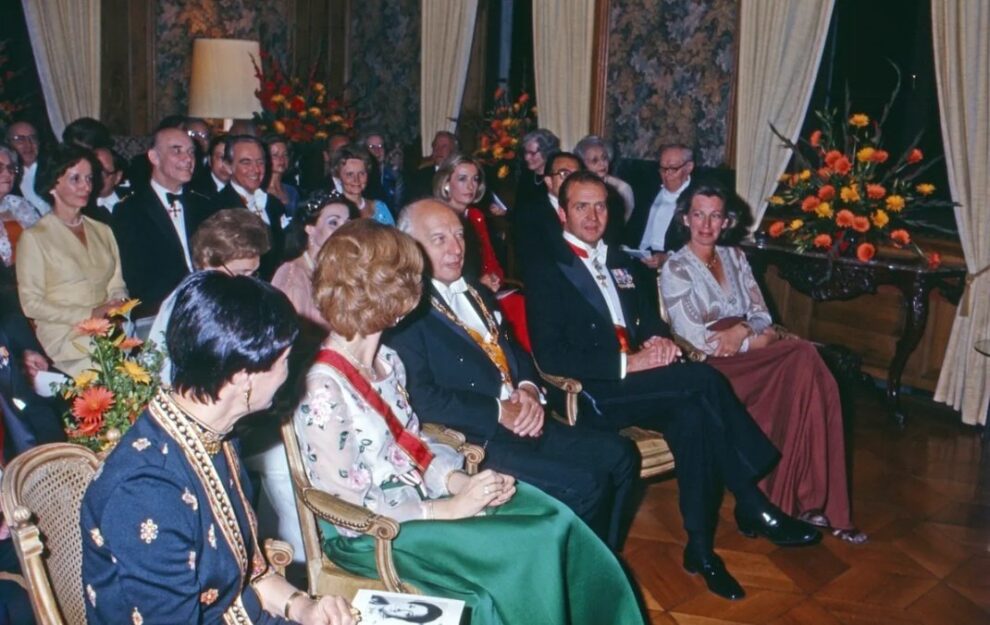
(725, 323)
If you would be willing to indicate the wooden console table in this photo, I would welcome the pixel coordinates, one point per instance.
(824, 279)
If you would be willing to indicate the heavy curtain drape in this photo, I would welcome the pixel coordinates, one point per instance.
(962, 73)
(780, 48)
(447, 32)
(563, 35)
(65, 38)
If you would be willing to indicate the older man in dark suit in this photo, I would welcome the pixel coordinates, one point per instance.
(154, 224)
(589, 321)
(465, 371)
(248, 162)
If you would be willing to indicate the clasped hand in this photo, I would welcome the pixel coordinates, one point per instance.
(655, 352)
(522, 412)
(473, 493)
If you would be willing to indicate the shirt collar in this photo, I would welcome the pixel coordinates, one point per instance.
(258, 194)
(675, 194)
(598, 251)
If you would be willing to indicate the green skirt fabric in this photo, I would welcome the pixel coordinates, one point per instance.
(528, 562)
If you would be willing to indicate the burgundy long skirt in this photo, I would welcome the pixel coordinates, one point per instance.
(792, 395)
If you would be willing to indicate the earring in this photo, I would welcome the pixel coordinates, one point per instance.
(247, 397)
(446, 189)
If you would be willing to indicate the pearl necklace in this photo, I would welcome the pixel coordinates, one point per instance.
(76, 224)
(368, 372)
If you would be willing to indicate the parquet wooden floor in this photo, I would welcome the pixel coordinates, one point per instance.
(922, 494)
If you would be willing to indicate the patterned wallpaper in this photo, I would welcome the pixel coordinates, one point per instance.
(670, 75)
(178, 22)
(384, 65)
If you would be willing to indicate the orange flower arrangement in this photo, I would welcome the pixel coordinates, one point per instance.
(502, 129)
(105, 399)
(300, 109)
(860, 198)
(7, 107)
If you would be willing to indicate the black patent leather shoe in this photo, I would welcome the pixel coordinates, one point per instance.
(779, 528)
(716, 577)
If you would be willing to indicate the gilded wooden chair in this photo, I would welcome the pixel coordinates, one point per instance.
(41, 495)
(324, 576)
(653, 449)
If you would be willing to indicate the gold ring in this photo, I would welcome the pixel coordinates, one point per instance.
(356, 612)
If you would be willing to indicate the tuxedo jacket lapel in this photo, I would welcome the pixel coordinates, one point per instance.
(460, 332)
(158, 213)
(578, 275)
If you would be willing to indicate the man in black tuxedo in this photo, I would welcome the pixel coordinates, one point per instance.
(588, 320)
(154, 224)
(465, 371)
(420, 181)
(537, 225)
(211, 180)
(110, 192)
(248, 163)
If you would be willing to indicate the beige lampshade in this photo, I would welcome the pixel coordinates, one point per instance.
(223, 81)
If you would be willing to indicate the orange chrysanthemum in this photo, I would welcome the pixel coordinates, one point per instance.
(859, 120)
(844, 218)
(880, 156)
(842, 166)
(865, 251)
(865, 155)
(860, 224)
(934, 260)
(776, 229)
(824, 173)
(816, 138)
(925, 188)
(810, 203)
(826, 193)
(89, 408)
(823, 241)
(93, 327)
(831, 156)
(875, 191)
(895, 203)
(900, 237)
(915, 156)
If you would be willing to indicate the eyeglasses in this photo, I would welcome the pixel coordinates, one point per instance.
(671, 169)
(198, 134)
(715, 218)
(24, 139)
(13, 170)
(375, 146)
(561, 173)
(241, 272)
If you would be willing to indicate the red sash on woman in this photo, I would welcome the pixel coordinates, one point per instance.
(415, 448)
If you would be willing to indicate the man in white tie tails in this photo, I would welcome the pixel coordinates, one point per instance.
(676, 165)
(466, 371)
(23, 137)
(247, 161)
(154, 224)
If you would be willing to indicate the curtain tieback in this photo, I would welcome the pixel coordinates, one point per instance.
(970, 279)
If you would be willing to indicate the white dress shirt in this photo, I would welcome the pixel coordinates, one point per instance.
(108, 202)
(176, 213)
(220, 184)
(27, 190)
(661, 214)
(256, 202)
(595, 264)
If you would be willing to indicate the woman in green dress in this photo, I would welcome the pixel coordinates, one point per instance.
(512, 553)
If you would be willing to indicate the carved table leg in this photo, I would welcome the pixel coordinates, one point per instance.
(915, 289)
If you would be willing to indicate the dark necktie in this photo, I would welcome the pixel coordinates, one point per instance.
(173, 199)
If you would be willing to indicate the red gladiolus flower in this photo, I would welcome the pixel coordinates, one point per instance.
(879, 156)
(915, 156)
(810, 203)
(831, 157)
(934, 260)
(875, 191)
(826, 193)
(865, 251)
(900, 237)
(776, 229)
(842, 166)
(816, 138)
(861, 224)
(823, 241)
(523, 98)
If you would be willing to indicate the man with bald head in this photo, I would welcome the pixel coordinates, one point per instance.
(464, 370)
(153, 226)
